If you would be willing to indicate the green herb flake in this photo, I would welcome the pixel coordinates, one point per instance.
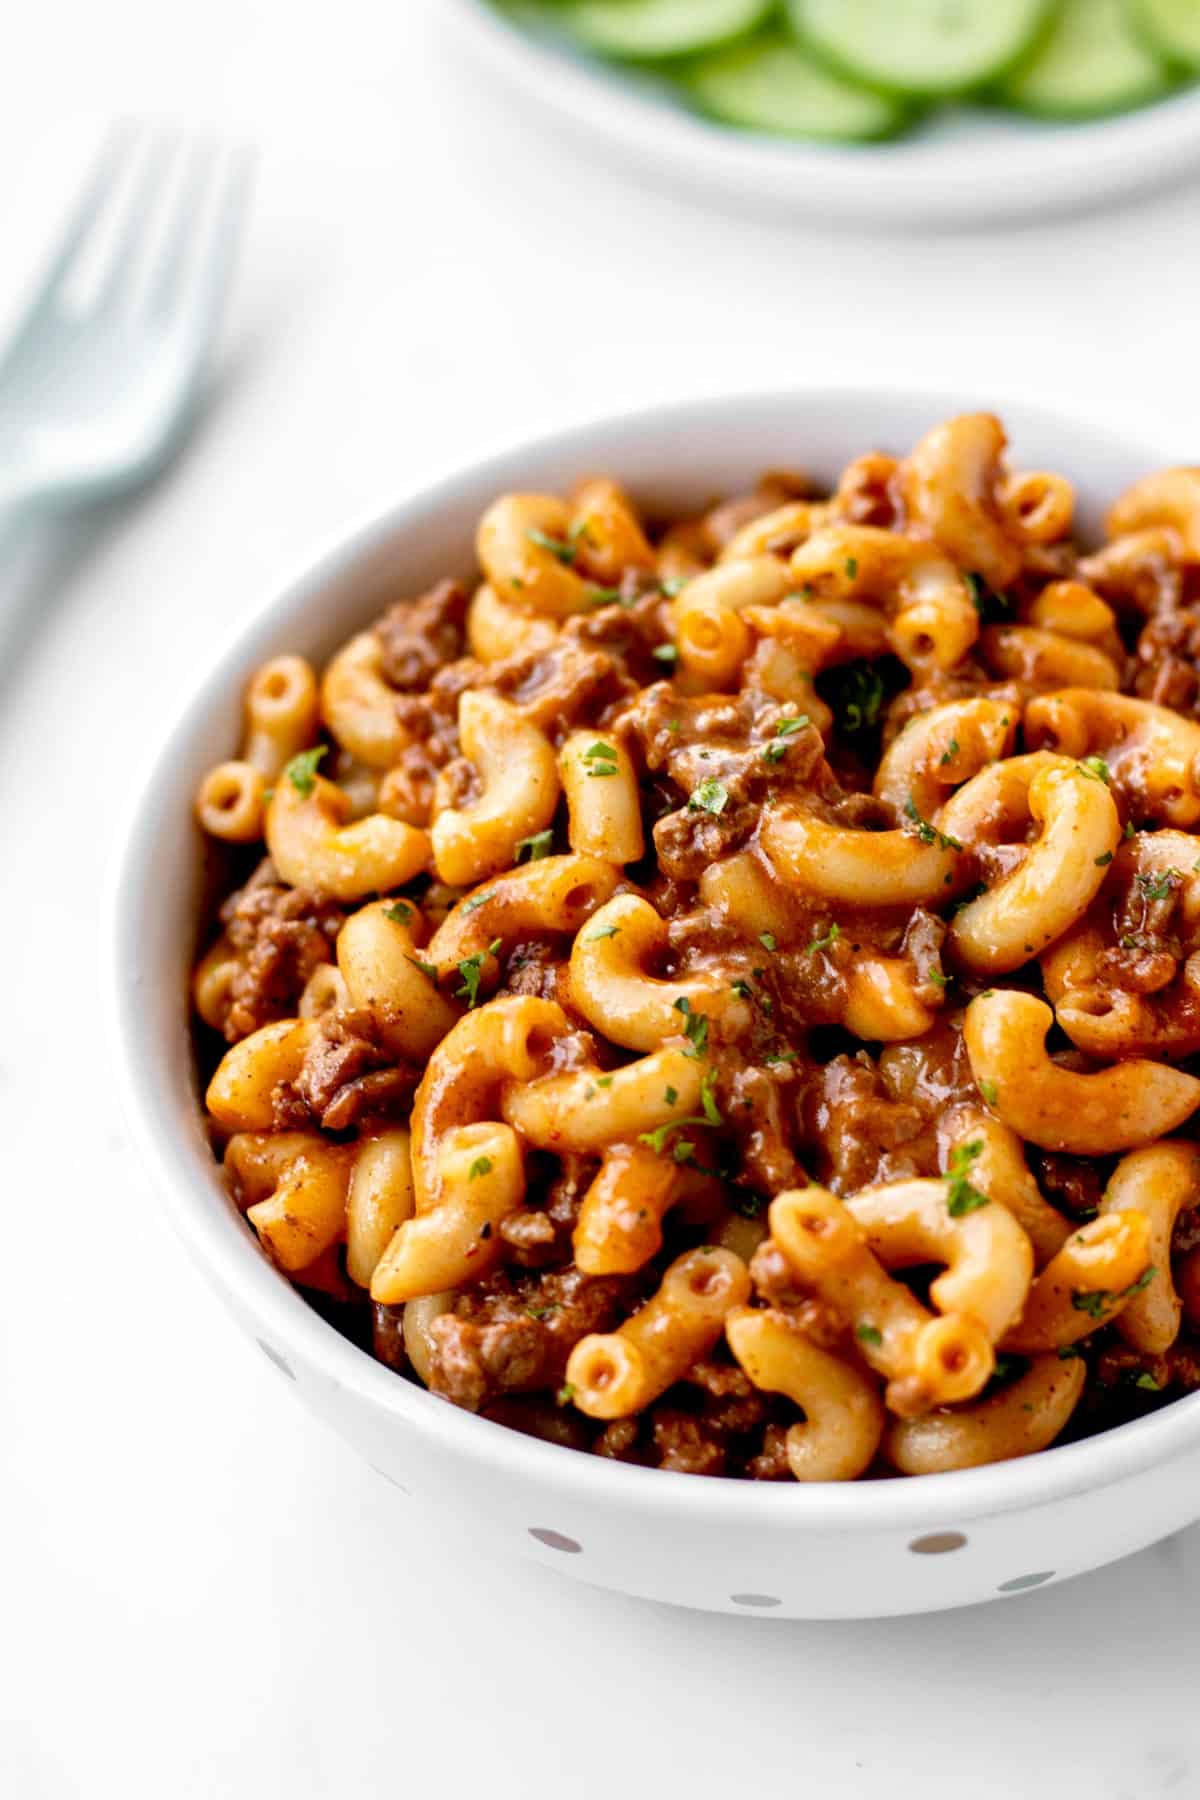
(601, 759)
(1095, 768)
(868, 1334)
(427, 969)
(302, 770)
(674, 585)
(742, 989)
(928, 834)
(665, 653)
(671, 1096)
(1102, 862)
(827, 942)
(786, 728)
(950, 752)
(471, 970)
(961, 1197)
(399, 912)
(1144, 1379)
(711, 796)
(481, 1166)
(603, 931)
(566, 1393)
(989, 1090)
(1128, 830)
(473, 905)
(566, 553)
(851, 567)
(767, 940)
(534, 848)
(1159, 887)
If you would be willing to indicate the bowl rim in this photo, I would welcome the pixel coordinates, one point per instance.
(225, 1252)
(906, 181)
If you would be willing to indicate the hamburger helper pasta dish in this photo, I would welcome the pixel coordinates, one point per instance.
(725, 994)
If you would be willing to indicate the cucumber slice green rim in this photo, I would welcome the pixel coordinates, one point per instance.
(771, 84)
(655, 30)
(1172, 28)
(925, 48)
(1092, 63)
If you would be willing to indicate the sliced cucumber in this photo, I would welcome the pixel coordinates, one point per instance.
(1092, 63)
(650, 30)
(921, 47)
(771, 84)
(1172, 27)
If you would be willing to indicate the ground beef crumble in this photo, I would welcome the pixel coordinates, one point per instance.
(280, 936)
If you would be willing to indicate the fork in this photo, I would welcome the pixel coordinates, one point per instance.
(102, 378)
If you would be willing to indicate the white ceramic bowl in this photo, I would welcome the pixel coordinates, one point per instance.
(862, 1549)
(967, 166)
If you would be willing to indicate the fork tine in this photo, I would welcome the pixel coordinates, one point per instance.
(180, 233)
(200, 295)
(97, 193)
(121, 267)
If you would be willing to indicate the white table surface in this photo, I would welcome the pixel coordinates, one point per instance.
(201, 1592)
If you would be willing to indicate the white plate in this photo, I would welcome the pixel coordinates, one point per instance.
(967, 166)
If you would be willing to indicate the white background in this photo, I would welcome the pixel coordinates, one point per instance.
(203, 1594)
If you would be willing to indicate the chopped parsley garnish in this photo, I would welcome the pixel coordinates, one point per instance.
(743, 990)
(712, 796)
(471, 970)
(566, 553)
(695, 1026)
(951, 751)
(786, 728)
(481, 1166)
(938, 978)
(710, 1118)
(302, 770)
(989, 604)
(1098, 1302)
(1095, 768)
(605, 596)
(851, 567)
(566, 1393)
(827, 942)
(748, 1206)
(868, 1334)
(973, 892)
(542, 1312)
(601, 759)
(780, 1056)
(1159, 887)
(671, 1095)
(1144, 1379)
(1102, 862)
(1069, 1353)
(665, 653)
(536, 847)
(674, 584)
(470, 906)
(928, 834)
(989, 1091)
(427, 969)
(603, 931)
(767, 940)
(856, 691)
(708, 1100)
(961, 1197)
(1129, 831)
(399, 912)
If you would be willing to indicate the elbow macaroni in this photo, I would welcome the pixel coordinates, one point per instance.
(597, 915)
